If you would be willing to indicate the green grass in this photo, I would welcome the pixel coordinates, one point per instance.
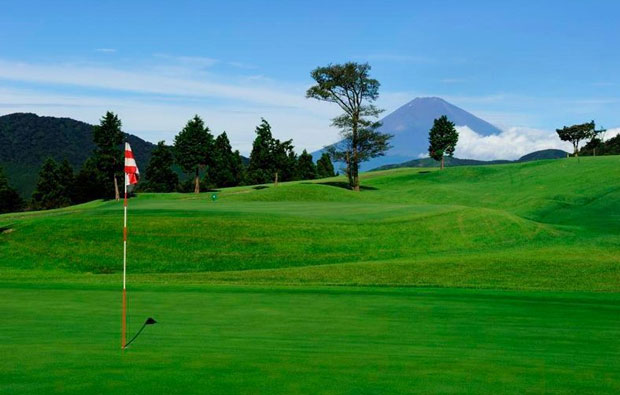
(309, 340)
(482, 279)
(551, 225)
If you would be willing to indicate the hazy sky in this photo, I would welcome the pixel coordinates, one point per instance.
(526, 66)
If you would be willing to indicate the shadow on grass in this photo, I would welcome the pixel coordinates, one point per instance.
(6, 229)
(259, 187)
(345, 185)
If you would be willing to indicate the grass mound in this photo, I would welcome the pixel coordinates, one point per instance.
(526, 225)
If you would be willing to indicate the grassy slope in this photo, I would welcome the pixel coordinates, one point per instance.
(538, 225)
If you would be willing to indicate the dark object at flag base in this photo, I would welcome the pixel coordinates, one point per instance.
(149, 321)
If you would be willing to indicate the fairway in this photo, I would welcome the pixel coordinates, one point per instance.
(369, 340)
(474, 279)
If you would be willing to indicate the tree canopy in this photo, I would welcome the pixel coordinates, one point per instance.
(108, 137)
(442, 139)
(159, 175)
(306, 169)
(53, 187)
(227, 168)
(576, 133)
(192, 147)
(9, 198)
(271, 159)
(324, 166)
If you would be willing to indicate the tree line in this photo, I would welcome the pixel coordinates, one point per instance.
(208, 161)
(595, 139)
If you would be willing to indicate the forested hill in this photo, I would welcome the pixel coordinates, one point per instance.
(26, 140)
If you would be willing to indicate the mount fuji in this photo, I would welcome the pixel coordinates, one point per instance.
(410, 124)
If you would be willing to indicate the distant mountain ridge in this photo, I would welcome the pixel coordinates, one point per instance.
(27, 139)
(429, 162)
(411, 123)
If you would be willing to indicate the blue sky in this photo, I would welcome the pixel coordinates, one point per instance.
(527, 66)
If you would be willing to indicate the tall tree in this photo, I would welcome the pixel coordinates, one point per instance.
(192, 148)
(10, 200)
(306, 169)
(285, 161)
(324, 166)
(350, 86)
(108, 137)
(88, 183)
(442, 139)
(227, 169)
(271, 159)
(576, 133)
(51, 191)
(262, 167)
(67, 179)
(159, 174)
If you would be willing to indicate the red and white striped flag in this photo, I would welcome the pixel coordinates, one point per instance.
(132, 174)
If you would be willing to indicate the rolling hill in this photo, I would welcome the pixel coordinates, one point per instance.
(561, 214)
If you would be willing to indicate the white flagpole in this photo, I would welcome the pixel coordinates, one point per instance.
(124, 318)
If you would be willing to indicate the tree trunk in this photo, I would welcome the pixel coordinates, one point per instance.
(197, 181)
(117, 194)
(441, 163)
(275, 183)
(355, 162)
(348, 170)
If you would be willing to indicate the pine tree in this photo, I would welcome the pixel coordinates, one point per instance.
(67, 179)
(10, 200)
(108, 137)
(271, 159)
(285, 160)
(324, 166)
(227, 168)
(442, 139)
(262, 164)
(192, 148)
(88, 183)
(50, 192)
(306, 169)
(159, 175)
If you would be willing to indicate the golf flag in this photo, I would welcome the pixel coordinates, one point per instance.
(131, 177)
(132, 174)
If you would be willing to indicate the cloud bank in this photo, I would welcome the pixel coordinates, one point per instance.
(511, 144)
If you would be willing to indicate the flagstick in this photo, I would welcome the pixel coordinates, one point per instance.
(124, 319)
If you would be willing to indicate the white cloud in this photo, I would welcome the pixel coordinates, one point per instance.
(611, 133)
(105, 50)
(183, 79)
(511, 143)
